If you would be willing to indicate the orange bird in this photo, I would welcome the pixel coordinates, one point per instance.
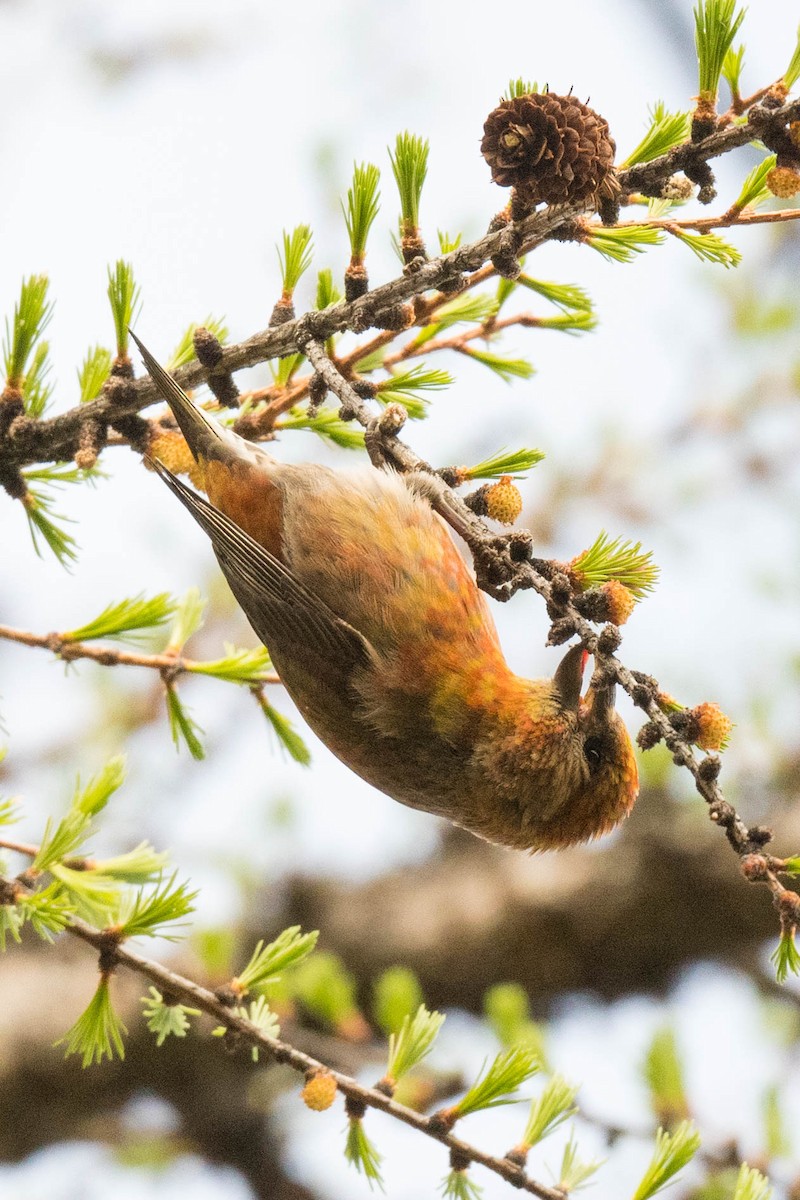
(387, 647)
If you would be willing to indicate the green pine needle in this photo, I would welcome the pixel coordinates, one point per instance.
(792, 72)
(141, 865)
(754, 189)
(48, 911)
(125, 300)
(549, 1110)
(361, 1154)
(11, 922)
(32, 314)
(91, 895)
(268, 962)
(520, 87)
(615, 558)
(397, 995)
(97, 1034)
(182, 727)
(786, 957)
(663, 1074)
(165, 904)
(285, 368)
(506, 288)
(410, 166)
(184, 351)
(327, 291)
(672, 1152)
(403, 386)
(124, 618)
(363, 202)
(61, 840)
(44, 526)
(716, 24)
(448, 242)
(732, 69)
(514, 462)
(93, 372)
(792, 865)
(667, 129)
(295, 258)
(710, 247)
(371, 362)
(506, 368)
(623, 244)
(510, 1069)
(574, 1173)
(166, 1020)
(187, 619)
(569, 322)
(457, 1185)
(327, 425)
(284, 730)
(412, 1042)
(464, 309)
(751, 1185)
(238, 666)
(91, 798)
(564, 295)
(9, 812)
(36, 392)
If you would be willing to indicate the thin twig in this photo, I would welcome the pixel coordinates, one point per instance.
(109, 656)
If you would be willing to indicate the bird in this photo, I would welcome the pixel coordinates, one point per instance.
(383, 640)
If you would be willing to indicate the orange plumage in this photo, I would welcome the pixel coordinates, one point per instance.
(389, 650)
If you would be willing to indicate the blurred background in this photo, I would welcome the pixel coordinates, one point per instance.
(184, 138)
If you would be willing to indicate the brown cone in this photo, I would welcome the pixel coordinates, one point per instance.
(552, 149)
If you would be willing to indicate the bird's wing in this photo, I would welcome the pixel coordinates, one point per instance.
(284, 613)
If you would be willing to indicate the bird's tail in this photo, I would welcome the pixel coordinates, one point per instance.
(206, 438)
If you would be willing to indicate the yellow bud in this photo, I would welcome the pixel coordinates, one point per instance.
(783, 182)
(620, 600)
(319, 1092)
(503, 501)
(713, 726)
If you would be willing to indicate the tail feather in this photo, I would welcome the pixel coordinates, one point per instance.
(204, 437)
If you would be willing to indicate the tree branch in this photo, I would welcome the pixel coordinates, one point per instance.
(186, 991)
(57, 439)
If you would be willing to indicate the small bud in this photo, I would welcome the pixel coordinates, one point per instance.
(677, 187)
(609, 640)
(520, 546)
(561, 631)
(783, 182)
(788, 905)
(620, 600)
(319, 1092)
(648, 736)
(503, 501)
(709, 768)
(713, 727)
(754, 868)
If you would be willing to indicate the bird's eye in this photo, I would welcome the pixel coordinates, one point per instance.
(592, 750)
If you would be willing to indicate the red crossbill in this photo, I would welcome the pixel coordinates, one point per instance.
(387, 647)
